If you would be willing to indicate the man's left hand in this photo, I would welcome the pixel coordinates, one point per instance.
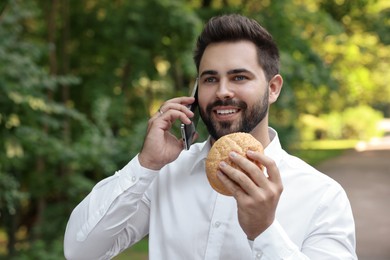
(257, 195)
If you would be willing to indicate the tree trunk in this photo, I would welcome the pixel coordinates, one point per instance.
(206, 3)
(66, 134)
(41, 163)
(65, 64)
(11, 231)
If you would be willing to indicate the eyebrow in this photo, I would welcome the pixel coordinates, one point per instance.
(230, 72)
(208, 72)
(237, 71)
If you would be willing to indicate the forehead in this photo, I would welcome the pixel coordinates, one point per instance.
(226, 56)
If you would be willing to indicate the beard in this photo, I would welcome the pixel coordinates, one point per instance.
(251, 117)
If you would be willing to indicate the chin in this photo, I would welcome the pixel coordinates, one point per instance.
(222, 131)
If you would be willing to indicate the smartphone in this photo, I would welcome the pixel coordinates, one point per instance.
(188, 131)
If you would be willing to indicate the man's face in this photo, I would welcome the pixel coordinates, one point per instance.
(233, 91)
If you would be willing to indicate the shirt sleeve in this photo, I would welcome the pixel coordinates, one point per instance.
(331, 234)
(274, 243)
(112, 217)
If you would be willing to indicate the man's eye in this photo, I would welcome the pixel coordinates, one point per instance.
(239, 78)
(211, 79)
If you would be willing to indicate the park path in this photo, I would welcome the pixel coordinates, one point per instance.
(365, 175)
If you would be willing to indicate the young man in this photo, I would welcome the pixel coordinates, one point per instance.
(294, 213)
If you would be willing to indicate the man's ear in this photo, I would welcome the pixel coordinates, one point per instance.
(275, 87)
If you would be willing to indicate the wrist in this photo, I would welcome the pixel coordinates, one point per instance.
(147, 163)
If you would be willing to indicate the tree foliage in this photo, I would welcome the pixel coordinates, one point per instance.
(79, 79)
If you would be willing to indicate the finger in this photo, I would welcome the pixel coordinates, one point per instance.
(175, 106)
(229, 184)
(181, 100)
(269, 164)
(172, 114)
(254, 172)
(169, 106)
(184, 101)
(239, 178)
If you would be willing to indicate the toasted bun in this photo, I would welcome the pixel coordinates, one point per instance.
(237, 142)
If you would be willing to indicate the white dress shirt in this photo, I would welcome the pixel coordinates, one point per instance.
(186, 219)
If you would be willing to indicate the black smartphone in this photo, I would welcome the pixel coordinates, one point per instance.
(188, 131)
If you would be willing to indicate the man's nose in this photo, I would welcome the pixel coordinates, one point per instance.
(224, 91)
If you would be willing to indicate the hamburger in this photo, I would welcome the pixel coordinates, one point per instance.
(237, 142)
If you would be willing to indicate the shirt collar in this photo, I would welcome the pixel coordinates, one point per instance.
(201, 151)
(274, 149)
(204, 150)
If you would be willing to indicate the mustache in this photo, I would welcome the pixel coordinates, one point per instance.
(228, 102)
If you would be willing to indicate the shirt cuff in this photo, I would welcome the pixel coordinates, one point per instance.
(273, 243)
(133, 173)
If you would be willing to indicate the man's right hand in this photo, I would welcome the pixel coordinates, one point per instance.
(161, 146)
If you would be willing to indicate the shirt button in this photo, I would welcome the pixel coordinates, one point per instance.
(217, 224)
(259, 255)
(133, 179)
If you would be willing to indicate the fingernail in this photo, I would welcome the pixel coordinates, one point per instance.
(232, 154)
(222, 164)
(249, 152)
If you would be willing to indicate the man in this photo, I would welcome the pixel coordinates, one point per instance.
(294, 213)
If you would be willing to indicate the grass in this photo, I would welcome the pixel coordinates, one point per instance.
(138, 251)
(326, 145)
(314, 156)
(315, 152)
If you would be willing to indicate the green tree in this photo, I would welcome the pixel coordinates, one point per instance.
(33, 148)
(53, 153)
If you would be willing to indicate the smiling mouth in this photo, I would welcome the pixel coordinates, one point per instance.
(226, 114)
(226, 111)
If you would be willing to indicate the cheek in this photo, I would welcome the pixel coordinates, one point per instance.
(204, 98)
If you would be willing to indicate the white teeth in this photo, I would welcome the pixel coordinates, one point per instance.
(227, 111)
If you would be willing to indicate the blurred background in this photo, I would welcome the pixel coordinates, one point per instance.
(79, 80)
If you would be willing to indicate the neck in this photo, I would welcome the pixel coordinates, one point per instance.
(260, 132)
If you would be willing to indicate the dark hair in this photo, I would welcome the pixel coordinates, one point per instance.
(234, 27)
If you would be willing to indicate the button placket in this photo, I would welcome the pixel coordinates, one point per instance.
(219, 223)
